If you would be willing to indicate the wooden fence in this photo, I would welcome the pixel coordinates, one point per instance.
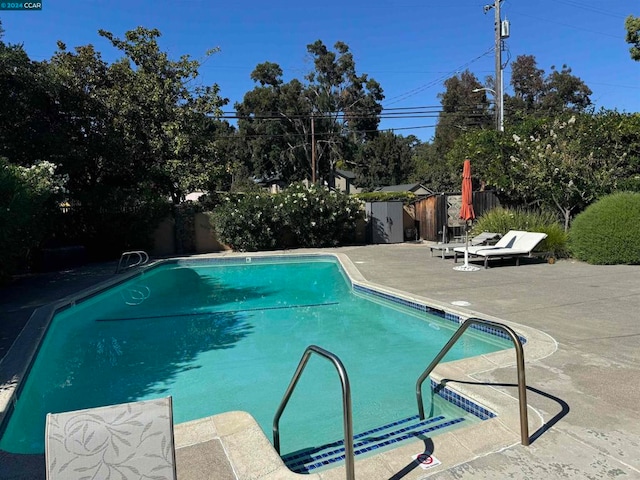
(437, 215)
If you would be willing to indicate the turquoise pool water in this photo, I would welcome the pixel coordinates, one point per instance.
(221, 337)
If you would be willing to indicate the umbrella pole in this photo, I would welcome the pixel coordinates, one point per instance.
(466, 247)
(466, 267)
(467, 214)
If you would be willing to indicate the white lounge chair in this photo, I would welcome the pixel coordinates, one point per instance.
(129, 440)
(485, 238)
(515, 243)
(507, 241)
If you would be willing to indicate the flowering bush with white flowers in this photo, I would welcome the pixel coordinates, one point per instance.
(318, 217)
(27, 203)
(42, 178)
(299, 216)
(246, 222)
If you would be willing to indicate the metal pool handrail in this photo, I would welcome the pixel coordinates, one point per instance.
(346, 404)
(143, 258)
(522, 384)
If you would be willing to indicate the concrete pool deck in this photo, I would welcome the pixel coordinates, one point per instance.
(587, 391)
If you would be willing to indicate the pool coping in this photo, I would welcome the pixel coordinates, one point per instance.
(486, 437)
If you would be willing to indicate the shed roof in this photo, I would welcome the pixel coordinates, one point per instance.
(346, 174)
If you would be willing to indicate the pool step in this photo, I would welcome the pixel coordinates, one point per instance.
(304, 461)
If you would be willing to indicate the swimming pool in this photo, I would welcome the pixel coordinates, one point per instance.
(209, 333)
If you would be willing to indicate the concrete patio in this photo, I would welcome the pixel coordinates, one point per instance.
(587, 391)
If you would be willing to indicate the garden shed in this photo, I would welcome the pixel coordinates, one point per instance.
(385, 222)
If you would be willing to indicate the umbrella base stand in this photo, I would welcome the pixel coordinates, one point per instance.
(466, 268)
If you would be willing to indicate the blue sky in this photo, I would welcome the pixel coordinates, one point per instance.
(409, 46)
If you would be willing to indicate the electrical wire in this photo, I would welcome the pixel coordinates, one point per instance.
(467, 110)
(619, 37)
(588, 8)
(318, 135)
(432, 83)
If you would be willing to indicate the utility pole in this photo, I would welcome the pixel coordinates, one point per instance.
(313, 149)
(499, 82)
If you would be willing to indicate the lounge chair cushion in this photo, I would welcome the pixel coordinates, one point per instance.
(524, 245)
(507, 241)
(130, 440)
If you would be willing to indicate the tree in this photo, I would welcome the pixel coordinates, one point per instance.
(135, 128)
(464, 108)
(28, 115)
(433, 170)
(128, 135)
(340, 106)
(564, 164)
(275, 121)
(615, 137)
(528, 85)
(385, 160)
(632, 25)
(166, 122)
(27, 200)
(537, 94)
(491, 153)
(94, 156)
(351, 101)
(229, 172)
(557, 170)
(565, 92)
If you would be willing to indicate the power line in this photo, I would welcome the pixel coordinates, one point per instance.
(470, 111)
(587, 8)
(318, 134)
(408, 128)
(635, 87)
(384, 109)
(417, 90)
(619, 37)
(397, 112)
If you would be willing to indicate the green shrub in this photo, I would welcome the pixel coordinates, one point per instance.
(125, 226)
(608, 231)
(501, 220)
(318, 217)
(117, 222)
(185, 233)
(246, 223)
(406, 197)
(298, 216)
(27, 205)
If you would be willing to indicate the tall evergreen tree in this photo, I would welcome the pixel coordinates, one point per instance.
(385, 160)
(536, 93)
(464, 108)
(333, 104)
(632, 25)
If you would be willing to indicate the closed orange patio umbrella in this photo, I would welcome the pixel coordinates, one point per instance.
(466, 213)
(466, 210)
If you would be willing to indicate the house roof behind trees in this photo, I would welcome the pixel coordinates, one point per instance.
(416, 188)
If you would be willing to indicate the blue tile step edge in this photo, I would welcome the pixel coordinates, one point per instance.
(458, 400)
(310, 459)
